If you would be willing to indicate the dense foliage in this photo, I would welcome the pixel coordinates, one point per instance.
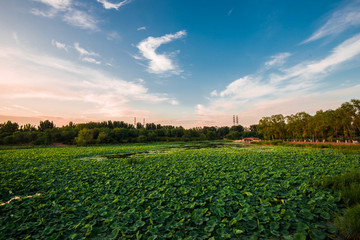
(169, 191)
(342, 124)
(113, 132)
(348, 184)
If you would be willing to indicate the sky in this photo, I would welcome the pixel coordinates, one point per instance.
(176, 62)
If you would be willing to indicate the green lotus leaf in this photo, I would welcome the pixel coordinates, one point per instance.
(300, 236)
(317, 234)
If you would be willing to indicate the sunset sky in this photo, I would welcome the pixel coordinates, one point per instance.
(178, 62)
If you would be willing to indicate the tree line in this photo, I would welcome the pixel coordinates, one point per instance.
(113, 132)
(341, 124)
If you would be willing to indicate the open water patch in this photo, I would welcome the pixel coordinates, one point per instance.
(134, 155)
(124, 155)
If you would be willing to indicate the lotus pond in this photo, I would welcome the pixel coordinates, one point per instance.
(169, 191)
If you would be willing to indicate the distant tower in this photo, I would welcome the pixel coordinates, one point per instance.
(134, 122)
(144, 122)
(233, 120)
(237, 120)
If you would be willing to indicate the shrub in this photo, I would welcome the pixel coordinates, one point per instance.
(351, 194)
(85, 137)
(349, 185)
(349, 224)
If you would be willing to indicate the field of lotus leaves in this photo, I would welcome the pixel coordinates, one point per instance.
(169, 191)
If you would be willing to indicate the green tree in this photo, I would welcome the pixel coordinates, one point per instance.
(277, 124)
(356, 116)
(28, 127)
(9, 127)
(348, 112)
(46, 125)
(85, 137)
(264, 127)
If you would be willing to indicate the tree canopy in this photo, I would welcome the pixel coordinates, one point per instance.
(341, 124)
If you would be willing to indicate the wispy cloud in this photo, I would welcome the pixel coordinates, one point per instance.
(49, 14)
(16, 109)
(80, 19)
(339, 21)
(84, 55)
(174, 102)
(277, 60)
(90, 60)
(57, 4)
(244, 88)
(291, 84)
(69, 14)
(159, 63)
(230, 11)
(83, 51)
(59, 45)
(141, 28)
(345, 51)
(113, 36)
(71, 87)
(16, 37)
(108, 5)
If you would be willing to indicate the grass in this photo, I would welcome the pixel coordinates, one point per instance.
(349, 223)
(340, 148)
(349, 186)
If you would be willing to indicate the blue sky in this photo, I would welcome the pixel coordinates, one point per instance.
(179, 62)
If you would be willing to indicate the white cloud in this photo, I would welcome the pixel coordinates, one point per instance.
(57, 4)
(108, 5)
(159, 63)
(277, 60)
(68, 88)
(214, 93)
(174, 102)
(264, 92)
(16, 37)
(84, 54)
(55, 7)
(49, 14)
(113, 36)
(141, 28)
(90, 60)
(339, 21)
(344, 52)
(140, 80)
(20, 109)
(69, 14)
(80, 19)
(247, 87)
(59, 45)
(83, 51)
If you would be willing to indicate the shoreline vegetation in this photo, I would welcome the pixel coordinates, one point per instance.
(339, 125)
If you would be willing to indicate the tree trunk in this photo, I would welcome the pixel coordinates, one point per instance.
(350, 135)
